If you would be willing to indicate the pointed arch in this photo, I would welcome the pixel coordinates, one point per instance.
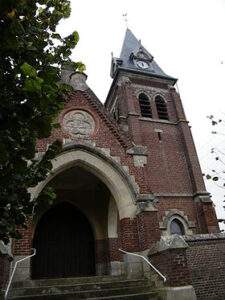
(107, 170)
(178, 216)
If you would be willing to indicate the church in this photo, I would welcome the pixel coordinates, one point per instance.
(128, 186)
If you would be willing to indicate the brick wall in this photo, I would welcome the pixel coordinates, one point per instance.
(184, 204)
(23, 246)
(173, 264)
(206, 260)
(210, 218)
(114, 254)
(128, 234)
(4, 270)
(148, 229)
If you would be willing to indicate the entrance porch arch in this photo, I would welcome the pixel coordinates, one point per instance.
(109, 173)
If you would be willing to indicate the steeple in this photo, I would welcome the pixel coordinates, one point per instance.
(135, 58)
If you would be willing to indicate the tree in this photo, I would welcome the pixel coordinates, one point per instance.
(217, 173)
(31, 96)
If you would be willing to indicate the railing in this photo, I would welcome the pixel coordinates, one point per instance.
(147, 261)
(14, 270)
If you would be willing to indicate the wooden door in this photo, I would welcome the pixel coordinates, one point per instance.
(65, 244)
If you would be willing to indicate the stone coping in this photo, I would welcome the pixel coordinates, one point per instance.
(170, 242)
(178, 242)
(204, 237)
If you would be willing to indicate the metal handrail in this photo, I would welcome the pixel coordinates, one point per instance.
(147, 261)
(14, 270)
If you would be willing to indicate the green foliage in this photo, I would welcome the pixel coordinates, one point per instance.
(45, 200)
(31, 96)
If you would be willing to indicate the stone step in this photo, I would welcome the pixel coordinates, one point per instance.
(67, 281)
(78, 287)
(141, 296)
(55, 294)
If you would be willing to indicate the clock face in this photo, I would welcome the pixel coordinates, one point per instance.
(142, 64)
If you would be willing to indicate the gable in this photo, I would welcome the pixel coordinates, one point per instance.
(84, 119)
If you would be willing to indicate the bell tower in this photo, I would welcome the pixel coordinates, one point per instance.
(137, 81)
(148, 109)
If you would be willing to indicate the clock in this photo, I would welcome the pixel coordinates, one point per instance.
(142, 64)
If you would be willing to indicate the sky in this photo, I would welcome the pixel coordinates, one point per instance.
(186, 38)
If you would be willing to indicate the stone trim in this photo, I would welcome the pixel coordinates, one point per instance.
(172, 214)
(158, 130)
(174, 195)
(162, 95)
(138, 150)
(75, 79)
(174, 241)
(139, 154)
(150, 91)
(182, 292)
(103, 167)
(105, 154)
(133, 114)
(205, 237)
(204, 198)
(157, 120)
(112, 219)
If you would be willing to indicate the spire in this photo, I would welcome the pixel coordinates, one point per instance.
(135, 58)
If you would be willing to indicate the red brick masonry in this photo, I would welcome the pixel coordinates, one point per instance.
(206, 261)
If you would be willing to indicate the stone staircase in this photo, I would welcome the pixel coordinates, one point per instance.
(92, 288)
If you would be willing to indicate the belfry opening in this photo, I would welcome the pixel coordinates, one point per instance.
(71, 237)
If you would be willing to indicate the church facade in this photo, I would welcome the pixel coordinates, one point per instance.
(128, 178)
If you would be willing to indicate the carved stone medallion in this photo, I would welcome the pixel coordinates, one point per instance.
(79, 123)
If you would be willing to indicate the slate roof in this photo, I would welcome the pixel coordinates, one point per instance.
(132, 45)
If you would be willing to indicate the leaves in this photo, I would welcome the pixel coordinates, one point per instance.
(215, 178)
(217, 173)
(33, 85)
(28, 70)
(31, 93)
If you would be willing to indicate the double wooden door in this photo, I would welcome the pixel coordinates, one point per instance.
(65, 244)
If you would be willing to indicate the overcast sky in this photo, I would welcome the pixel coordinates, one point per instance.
(186, 38)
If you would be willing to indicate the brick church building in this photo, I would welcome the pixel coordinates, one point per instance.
(128, 178)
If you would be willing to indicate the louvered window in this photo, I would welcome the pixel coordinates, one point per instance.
(145, 106)
(161, 108)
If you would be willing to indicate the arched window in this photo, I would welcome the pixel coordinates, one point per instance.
(161, 108)
(145, 106)
(176, 227)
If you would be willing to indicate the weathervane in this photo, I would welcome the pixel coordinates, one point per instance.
(125, 19)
